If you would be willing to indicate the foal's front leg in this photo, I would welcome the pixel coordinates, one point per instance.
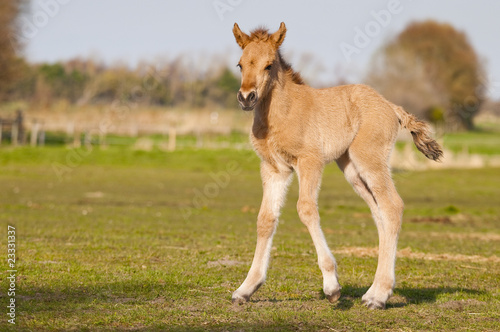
(309, 174)
(275, 184)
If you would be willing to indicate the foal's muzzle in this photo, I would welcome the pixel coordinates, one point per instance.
(247, 101)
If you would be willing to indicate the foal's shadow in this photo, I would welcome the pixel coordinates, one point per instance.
(402, 296)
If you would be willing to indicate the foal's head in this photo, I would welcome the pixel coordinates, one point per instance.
(259, 63)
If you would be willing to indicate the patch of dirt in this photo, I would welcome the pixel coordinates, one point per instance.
(97, 194)
(248, 209)
(27, 298)
(49, 262)
(458, 236)
(476, 236)
(437, 220)
(408, 253)
(357, 251)
(158, 300)
(335, 231)
(461, 304)
(117, 299)
(361, 215)
(223, 262)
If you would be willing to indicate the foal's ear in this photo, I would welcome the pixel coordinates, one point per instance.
(278, 37)
(241, 38)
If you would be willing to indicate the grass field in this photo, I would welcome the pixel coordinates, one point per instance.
(130, 240)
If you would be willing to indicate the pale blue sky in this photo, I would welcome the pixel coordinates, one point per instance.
(131, 30)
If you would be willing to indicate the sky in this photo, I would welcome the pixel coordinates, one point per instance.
(339, 36)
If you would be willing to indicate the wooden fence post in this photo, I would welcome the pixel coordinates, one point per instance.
(87, 138)
(41, 137)
(14, 134)
(77, 139)
(19, 123)
(34, 133)
(102, 138)
(172, 138)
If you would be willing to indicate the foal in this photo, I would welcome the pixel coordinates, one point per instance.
(298, 128)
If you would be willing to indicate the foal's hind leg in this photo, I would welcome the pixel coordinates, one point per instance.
(352, 176)
(387, 210)
(275, 184)
(309, 174)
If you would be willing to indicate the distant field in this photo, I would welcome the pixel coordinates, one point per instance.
(207, 128)
(119, 239)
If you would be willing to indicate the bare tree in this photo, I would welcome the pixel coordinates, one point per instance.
(9, 42)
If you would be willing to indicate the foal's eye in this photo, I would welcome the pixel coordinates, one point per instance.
(268, 67)
(239, 66)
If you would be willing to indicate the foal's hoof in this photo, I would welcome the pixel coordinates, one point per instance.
(376, 298)
(333, 297)
(373, 303)
(239, 299)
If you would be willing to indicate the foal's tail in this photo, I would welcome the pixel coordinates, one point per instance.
(421, 134)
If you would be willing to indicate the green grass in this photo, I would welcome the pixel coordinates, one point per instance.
(479, 142)
(119, 239)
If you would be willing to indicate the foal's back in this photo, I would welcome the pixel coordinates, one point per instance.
(332, 118)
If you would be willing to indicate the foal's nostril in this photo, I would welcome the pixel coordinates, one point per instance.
(251, 97)
(240, 97)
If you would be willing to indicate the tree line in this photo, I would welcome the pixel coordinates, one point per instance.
(80, 81)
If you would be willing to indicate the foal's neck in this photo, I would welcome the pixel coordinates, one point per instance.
(273, 108)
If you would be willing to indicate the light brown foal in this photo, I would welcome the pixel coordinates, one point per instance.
(298, 128)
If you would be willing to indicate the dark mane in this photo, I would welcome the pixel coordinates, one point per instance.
(262, 34)
(296, 78)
